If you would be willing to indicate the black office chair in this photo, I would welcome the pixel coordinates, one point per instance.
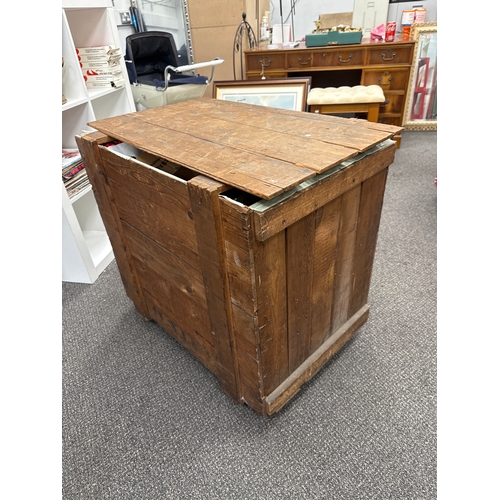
(156, 78)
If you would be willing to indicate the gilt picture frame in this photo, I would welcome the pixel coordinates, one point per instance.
(285, 93)
(421, 104)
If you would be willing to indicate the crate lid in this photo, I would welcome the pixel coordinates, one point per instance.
(261, 150)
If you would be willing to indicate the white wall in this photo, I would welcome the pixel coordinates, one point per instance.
(159, 15)
(308, 11)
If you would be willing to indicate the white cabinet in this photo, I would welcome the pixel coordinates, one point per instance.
(368, 14)
(86, 248)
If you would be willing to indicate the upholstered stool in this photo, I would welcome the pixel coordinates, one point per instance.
(357, 99)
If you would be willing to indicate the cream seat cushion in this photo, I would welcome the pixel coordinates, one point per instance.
(346, 95)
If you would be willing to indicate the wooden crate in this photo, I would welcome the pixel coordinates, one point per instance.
(255, 252)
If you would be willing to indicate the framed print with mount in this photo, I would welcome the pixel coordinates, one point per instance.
(286, 93)
(421, 105)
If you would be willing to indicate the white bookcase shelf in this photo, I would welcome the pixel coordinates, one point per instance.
(86, 248)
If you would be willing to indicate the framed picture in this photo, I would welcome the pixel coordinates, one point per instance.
(286, 93)
(421, 104)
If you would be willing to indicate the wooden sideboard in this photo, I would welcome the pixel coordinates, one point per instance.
(387, 64)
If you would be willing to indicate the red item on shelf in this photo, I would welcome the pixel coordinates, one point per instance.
(390, 32)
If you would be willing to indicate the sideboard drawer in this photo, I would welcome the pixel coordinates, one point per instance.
(271, 62)
(388, 79)
(390, 55)
(339, 57)
(394, 103)
(298, 60)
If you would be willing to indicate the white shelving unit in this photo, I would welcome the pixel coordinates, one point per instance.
(86, 248)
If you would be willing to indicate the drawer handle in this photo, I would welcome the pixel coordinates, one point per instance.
(388, 52)
(304, 63)
(345, 60)
(265, 61)
(385, 78)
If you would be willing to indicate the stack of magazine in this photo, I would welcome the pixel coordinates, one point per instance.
(73, 172)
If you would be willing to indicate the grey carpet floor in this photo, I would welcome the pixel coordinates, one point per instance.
(142, 419)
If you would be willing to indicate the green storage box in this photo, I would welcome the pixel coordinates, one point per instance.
(333, 38)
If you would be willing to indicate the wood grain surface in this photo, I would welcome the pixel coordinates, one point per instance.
(263, 151)
(256, 254)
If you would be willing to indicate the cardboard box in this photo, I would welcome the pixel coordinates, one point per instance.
(98, 57)
(103, 50)
(117, 83)
(114, 63)
(108, 77)
(115, 72)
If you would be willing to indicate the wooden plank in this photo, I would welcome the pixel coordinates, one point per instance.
(264, 117)
(299, 269)
(251, 387)
(240, 267)
(248, 395)
(91, 154)
(270, 283)
(246, 325)
(382, 127)
(179, 311)
(238, 241)
(247, 322)
(325, 250)
(345, 256)
(246, 333)
(247, 342)
(282, 394)
(254, 173)
(276, 218)
(370, 209)
(345, 133)
(158, 181)
(204, 196)
(155, 203)
(302, 151)
(174, 284)
(248, 355)
(200, 350)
